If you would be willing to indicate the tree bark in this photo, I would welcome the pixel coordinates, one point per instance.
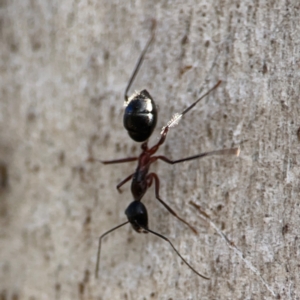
(64, 68)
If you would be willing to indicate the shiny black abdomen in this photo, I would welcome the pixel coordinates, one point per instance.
(140, 116)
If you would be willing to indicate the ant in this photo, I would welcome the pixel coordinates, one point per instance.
(139, 120)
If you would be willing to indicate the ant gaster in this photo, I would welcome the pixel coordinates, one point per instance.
(140, 119)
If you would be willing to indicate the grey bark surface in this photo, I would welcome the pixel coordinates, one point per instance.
(64, 68)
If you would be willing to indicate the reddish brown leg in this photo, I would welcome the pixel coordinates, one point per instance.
(115, 161)
(149, 180)
(123, 182)
(153, 149)
(176, 118)
(140, 61)
(118, 161)
(152, 176)
(233, 151)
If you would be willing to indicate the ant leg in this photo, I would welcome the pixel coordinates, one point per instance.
(140, 61)
(149, 180)
(233, 151)
(114, 161)
(152, 176)
(176, 118)
(209, 220)
(164, 133)
(123, 182)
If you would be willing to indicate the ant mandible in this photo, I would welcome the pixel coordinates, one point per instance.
(139, 120)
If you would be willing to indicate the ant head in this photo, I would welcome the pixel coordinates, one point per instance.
(137, 215)
(140, 116)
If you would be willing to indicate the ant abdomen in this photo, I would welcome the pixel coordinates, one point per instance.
(140, 116)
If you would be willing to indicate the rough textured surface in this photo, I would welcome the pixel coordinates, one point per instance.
(64, 67)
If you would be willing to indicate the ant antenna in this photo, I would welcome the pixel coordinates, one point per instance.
(177, 117)
(166, 239)
(99, 246)
(138, 218)
(140, 61)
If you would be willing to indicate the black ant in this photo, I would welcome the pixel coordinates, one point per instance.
(140, 118)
